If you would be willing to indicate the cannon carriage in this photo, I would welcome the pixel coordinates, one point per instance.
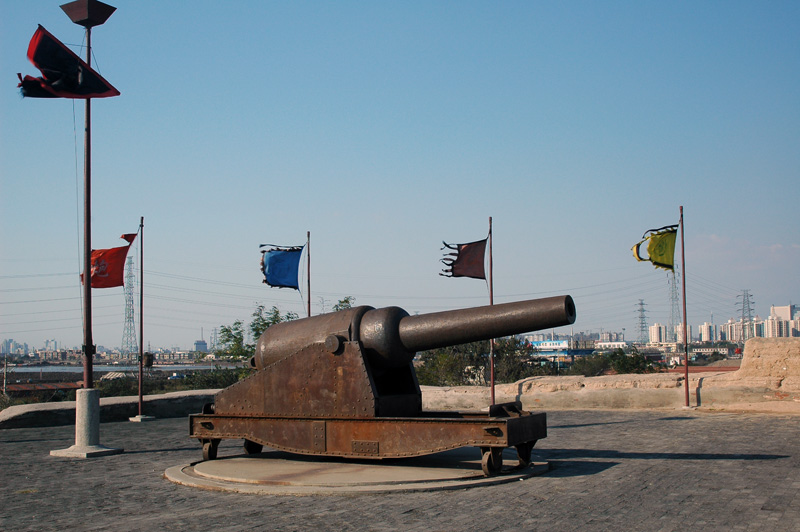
(343, 384)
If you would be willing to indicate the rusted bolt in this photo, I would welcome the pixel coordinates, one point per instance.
(333, 343)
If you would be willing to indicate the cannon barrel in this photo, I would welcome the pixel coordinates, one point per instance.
(391, 336)
(440, 329)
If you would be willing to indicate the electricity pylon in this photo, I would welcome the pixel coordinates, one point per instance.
(130, 348)
(747, 315)
(643, 334)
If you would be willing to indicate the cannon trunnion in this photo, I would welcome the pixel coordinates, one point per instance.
(343, 384)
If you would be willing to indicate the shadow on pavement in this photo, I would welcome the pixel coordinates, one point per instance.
(599, 423)
(620, 455)
(576, 468)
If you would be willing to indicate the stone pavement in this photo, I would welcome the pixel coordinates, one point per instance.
(625, 470)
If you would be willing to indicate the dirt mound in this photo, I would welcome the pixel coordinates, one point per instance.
(771, 357)
(772, 363)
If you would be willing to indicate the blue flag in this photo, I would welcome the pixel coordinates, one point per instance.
(281, 266)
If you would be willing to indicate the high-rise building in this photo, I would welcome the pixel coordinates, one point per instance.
(785, 313)
(775, 327)
(658, 333)
(708, 332)
(679, 333)
(731, 331)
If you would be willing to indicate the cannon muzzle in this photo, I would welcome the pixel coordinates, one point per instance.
(391, 337)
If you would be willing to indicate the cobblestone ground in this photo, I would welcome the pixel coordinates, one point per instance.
(620, 470)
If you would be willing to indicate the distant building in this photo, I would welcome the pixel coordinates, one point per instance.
(10, 347)
(551, 346)
(600, 346)
(708, 332)
(726, 351)
(200, 346)
(172, 356)
(730, 331)
(679, 334)
(785, 313)
(775, 327)
(607, 336)
(782, 322)
(658, 333)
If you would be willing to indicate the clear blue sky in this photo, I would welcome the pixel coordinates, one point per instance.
(384, 128)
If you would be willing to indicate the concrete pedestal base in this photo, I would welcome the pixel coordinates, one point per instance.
(87, 428)
(280, 473)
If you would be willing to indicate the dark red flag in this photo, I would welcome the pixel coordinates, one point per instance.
(64, 74)
(467, 261)
(108, 265)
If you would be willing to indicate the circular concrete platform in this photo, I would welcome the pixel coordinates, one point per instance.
(280, 473)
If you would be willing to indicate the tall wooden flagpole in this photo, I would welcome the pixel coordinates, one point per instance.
(491, 302)
(685, 330)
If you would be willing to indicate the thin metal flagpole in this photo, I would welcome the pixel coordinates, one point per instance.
(491, 302)
(88, 342)
(141, 315)
(87, 13)
(308, 271)
(685, 330)
(141, 417)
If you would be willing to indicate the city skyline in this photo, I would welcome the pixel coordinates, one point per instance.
(705, 332)
(386, 129)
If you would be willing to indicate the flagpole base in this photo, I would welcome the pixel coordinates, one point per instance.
(141, 419)
(87, 428)
(91, 451)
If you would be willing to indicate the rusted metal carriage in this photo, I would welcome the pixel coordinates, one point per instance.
(343, 384)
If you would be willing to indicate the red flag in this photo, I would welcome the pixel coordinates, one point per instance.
(108, 265)
(64, 74)
(467, 261)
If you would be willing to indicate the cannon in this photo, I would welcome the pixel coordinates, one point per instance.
(343, 384)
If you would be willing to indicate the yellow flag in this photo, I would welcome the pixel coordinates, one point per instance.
(660, 247)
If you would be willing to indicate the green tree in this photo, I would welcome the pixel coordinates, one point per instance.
(456, 365)
(469, 363)
(232, 341)
(513, 360)
(344, 303)
(629, 363)
(589, 366)
(617, 360)
(263, 319)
